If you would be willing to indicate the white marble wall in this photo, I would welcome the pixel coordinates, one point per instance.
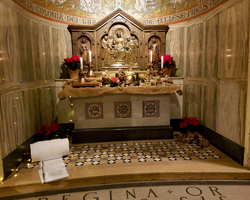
(31, 53)
(215, 63)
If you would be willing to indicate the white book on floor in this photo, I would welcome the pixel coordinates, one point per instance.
(52, 170)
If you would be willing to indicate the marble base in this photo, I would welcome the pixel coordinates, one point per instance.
(106, 108)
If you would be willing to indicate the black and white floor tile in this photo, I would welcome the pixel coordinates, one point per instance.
(132, 152)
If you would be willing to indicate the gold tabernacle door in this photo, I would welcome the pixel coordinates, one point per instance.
(118, 41)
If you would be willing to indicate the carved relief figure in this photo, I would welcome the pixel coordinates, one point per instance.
(106, 50)
(154, 47)
(84, 49)
(132, 50)
(119, 47)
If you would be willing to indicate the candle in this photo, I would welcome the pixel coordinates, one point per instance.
(151, 54)
(90, 57)
(81, 63)
(82, 80)
(162, 62)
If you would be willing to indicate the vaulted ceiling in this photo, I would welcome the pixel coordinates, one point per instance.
(147, 11)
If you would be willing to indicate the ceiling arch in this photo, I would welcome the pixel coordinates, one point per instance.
(149, 12)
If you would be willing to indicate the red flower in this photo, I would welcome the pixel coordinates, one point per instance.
(48, 129)
(72, 59)
(187, 121)
(40, 131)
(182, 125)
(114, 79)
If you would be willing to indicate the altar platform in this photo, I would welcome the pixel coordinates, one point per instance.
(100, 164)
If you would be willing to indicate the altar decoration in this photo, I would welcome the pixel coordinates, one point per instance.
(189, 132)
(51, 132)
(166, 65)
(113, 81)
(73, 65)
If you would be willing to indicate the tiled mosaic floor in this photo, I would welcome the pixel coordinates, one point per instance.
(132, 152)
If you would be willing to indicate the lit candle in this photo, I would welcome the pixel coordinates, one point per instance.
(151, 55)
(90, 57)
(81, 63)
(162, 62)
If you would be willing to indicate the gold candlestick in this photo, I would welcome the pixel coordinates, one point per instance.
(90, 71)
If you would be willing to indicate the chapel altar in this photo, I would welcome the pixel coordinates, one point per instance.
(132, 95)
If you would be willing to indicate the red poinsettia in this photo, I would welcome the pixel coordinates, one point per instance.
(189, 123)
(167, 60)
(73, 63)
(47, 130)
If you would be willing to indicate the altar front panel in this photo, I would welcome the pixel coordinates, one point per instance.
(146, 110)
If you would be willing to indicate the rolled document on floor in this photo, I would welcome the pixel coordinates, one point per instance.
(49, 149)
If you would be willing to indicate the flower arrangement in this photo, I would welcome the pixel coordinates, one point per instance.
(167, 60)
(189, 133)
(49, 131)
(189, 124)
(72, 63)
(113, 81)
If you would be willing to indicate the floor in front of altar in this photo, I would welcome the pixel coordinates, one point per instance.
(126, 161)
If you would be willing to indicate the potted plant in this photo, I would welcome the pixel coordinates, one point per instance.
(169, 67)
(51, 132)
(73, 65)
(188, 132)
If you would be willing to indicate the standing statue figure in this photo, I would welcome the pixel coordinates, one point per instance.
(84, 51)
(132, 50)
(154, 47)
(119, 46)
(105, 50)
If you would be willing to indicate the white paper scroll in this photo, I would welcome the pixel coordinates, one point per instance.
(50, 153)
(49, 149)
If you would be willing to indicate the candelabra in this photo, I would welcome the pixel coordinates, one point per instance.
(90, 71)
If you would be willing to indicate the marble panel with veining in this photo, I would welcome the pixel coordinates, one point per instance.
(192, 100)
(9, 48)
(47, 52)
(211, 47)
(175, 47)
(194, 50)
(231, 106)
(210, 104)
(35, 38)
(25, 48)
(233, 41)
(13, 122)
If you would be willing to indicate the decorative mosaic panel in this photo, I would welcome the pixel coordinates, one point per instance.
(94, 110)
(148, 12)
(123, 109)
(150, 108)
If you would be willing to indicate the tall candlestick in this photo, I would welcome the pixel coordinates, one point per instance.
(162, 62)
(81, 63)
(90, 57)
(151, 54)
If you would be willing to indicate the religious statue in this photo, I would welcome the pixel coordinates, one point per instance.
(119, 49)
(119, 45)
(132, 50)
(84, 49)
(154, 47)
(105, 50)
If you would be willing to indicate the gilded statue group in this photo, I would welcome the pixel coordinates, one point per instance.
(119, 49)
